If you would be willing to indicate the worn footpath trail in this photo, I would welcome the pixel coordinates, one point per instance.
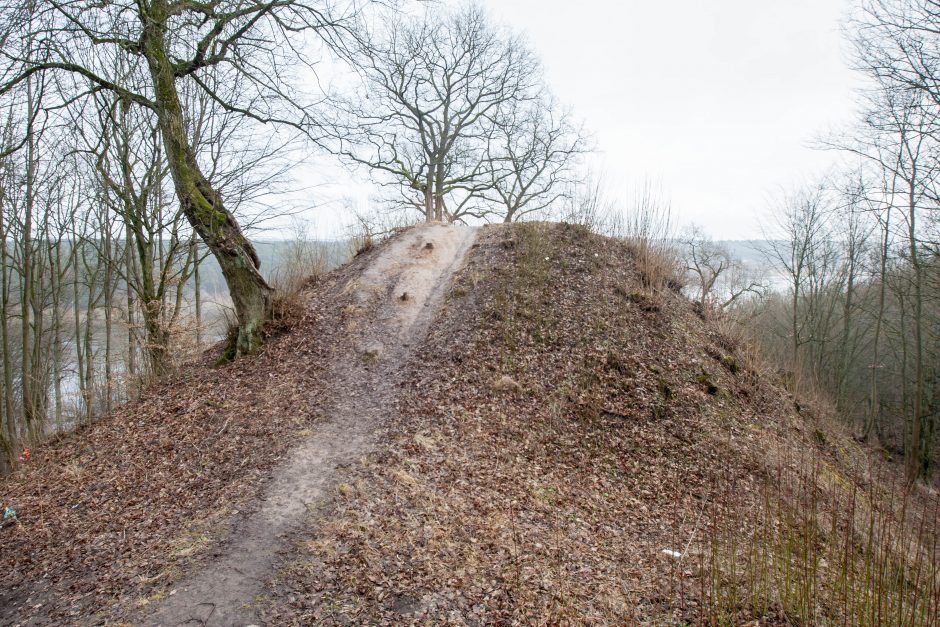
(394, 301)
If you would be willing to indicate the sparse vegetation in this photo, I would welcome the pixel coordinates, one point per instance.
(603, 420)
(822, 543)
(641, 429)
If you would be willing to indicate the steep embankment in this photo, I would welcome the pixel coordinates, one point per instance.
(508, 433)
(563, 426)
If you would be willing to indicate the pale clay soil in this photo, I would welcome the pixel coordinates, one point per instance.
(395, 299)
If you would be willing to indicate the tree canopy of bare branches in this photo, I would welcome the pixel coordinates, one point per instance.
(454, 117)
(146, 53)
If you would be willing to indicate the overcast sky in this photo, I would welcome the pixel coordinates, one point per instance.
(717, 101)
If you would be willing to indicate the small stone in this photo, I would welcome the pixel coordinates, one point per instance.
(506, 384)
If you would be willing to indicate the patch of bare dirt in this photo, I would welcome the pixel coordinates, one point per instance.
(381, 326)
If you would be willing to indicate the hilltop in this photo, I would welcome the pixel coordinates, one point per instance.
(521, 424)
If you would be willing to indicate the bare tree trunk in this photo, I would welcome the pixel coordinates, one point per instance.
(873, 398)
(905, 382)
(129, 270)
(429, 197)
(795, 323)
(89, 341)
(26, 283)
(197, 287)
(92, 300)
(39, 383)
(108, 307)
(8, 426)
(77, 321)
(153, 305)
(56, 277)
(847, 304)
(919, 460)
(439, 192)
(200, 203)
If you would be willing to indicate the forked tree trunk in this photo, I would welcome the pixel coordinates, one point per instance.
(199, 201)
(158, 340)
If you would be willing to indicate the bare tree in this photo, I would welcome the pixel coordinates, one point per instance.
(898, 42)
(7, 410)
(718, 278)
(900, 138)
(125, 153)
(532, 157)
(801, 227)
(883, 217)
(128, 167)
(434, 87)
(161, 46)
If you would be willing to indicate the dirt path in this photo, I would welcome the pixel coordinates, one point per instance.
(395, 300)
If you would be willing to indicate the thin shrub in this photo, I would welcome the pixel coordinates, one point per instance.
(647, 227)
(304, 259)
(820, 545)
(371, 227)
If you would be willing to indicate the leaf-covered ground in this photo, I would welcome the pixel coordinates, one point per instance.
(562, 428)
(111, 514)
(559, 429)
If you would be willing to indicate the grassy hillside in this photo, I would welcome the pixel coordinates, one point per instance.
(574, 442)
(564, 426)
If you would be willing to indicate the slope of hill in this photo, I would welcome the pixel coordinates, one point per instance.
(540, 436)
(565, 435)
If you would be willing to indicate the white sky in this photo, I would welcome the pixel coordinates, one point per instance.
(718, 102)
